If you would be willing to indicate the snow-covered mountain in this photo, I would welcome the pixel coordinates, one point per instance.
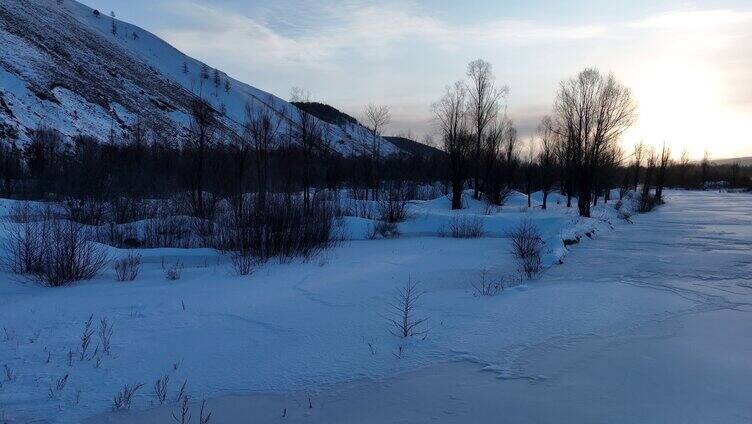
(66, 66)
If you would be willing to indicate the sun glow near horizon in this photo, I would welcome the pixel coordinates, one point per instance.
(685, 86)
(680, 104)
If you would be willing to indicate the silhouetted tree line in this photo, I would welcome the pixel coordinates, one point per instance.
(575, 152)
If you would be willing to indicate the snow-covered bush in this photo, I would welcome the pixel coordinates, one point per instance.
(384, 229)
(53, 252)
(168, 231)
(242, 262)
(127, 268)
(284, 227)
(393, 202)
(172, 271)
(464, 226)
(86, 211)
(648, 202)
(526, 247)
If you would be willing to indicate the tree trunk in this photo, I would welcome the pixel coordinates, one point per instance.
(457, 195)
(583, 199)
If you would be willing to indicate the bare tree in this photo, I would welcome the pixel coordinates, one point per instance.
(611, 160)
(547, 157)
(684, 168)
(705, 168)
(376, 117)
(660, 179)
(451, 117)
(529, 170)
(509, 152)
(493, 161)
(202, 133)
(403, 321)
(592, 111)
(262, 128)
(309, 134)
(639, 149)
(647, 184)
(483, 106)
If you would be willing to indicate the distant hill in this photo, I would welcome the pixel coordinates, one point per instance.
(413, 147)
(334, 116)
(745, 161)
(326, 113)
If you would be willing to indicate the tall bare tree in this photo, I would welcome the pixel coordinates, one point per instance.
(262, 128)
(377, 117)
(592, 111)
(451, 118)
(660, 178)
(202, 133)
(639, 149)
(483, 106)
(493, 161)
(684, 168)
(705, 169)
(309, 134)
(647, 185)
(547, 157)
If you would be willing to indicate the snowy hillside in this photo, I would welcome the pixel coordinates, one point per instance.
(66, 67)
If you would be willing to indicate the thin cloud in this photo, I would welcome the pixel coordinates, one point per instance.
(694, 20)
(371, 30)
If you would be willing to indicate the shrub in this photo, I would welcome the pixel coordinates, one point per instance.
(526, 247)
(383, 229)
(53, 252)
(392, 202)
(123, 399)
(487, 286)
(242, 262)
(127, 268)
(168, 231)
(648, 202)
(466, 226)
(172, 271)
(160, 388)
(86, 211)
(284, 228)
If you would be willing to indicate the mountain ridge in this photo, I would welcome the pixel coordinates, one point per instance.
(66, 67)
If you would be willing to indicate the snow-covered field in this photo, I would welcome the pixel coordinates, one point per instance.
(305, 329)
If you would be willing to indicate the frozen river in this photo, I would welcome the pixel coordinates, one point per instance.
(684, 355)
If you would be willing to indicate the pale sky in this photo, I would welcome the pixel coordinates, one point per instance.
(689, 63)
